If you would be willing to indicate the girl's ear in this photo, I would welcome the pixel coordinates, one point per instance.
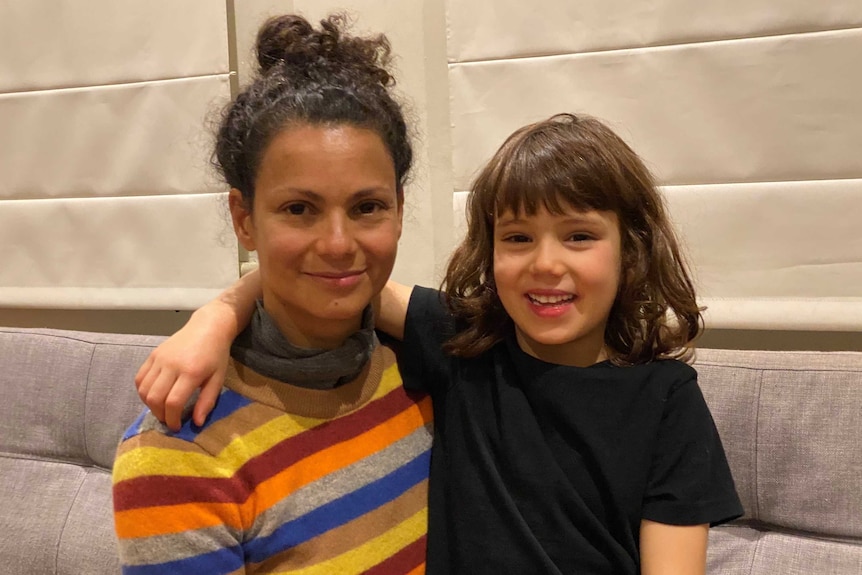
(243, 224)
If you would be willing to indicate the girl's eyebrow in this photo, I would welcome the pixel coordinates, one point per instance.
(588, 218)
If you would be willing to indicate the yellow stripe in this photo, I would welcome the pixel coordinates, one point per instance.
(145, 461)
(373, 552)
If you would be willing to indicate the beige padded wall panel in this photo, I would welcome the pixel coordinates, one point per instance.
(66, 43)
(106, 200)
(748, 112)
(133, 258)
(494, 29)
(778, 255)
(758, 109)
(125, 140)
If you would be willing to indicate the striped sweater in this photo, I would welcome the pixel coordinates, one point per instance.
(281, 479)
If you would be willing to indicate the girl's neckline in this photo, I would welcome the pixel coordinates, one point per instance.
(519, 355)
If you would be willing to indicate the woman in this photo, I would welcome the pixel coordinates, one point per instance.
(315, 456)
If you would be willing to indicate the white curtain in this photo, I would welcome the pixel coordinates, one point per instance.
(106, 199)
(748, 111)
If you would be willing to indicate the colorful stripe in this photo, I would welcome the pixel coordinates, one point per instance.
(277, 492)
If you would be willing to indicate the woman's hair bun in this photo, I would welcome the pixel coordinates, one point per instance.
(292, 43)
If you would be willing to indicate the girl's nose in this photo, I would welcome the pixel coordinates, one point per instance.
(546, 259)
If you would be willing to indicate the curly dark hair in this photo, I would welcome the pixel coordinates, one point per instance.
(310, 76)
(577, 162)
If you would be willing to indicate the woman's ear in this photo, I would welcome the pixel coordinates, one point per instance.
(400, 199)
(243, 225)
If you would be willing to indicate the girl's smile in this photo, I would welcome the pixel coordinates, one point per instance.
(550, 303)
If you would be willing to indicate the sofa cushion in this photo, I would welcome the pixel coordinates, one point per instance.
(791, 424)
(67, 399)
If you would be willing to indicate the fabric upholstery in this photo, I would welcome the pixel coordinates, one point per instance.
(791, 423)
(67, 397)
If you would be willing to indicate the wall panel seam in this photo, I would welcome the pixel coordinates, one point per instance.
(849, 180)
(112, 84)
(649, 47)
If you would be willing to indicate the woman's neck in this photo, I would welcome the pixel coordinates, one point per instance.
(264, 348)
(313, 333)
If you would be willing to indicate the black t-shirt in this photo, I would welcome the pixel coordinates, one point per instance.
(549, 469)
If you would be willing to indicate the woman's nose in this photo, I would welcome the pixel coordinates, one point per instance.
(336, 237)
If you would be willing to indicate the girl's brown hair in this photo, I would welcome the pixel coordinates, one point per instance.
(570, 161)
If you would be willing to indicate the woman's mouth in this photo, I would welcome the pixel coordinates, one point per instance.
(344, 279)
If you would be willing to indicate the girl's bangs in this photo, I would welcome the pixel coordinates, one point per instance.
(543, 178)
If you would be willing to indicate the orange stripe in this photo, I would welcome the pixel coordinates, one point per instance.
(420, 570)
(336, 457)
(167, 519)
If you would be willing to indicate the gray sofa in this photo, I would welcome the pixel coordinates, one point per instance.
(791, 423)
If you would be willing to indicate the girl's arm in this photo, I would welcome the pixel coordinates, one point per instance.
(197, 355)
(673, 549)
(391, 308)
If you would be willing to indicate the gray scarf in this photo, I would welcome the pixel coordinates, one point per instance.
(263, 348)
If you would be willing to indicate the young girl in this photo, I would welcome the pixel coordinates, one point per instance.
(316, 459)
(569, 436)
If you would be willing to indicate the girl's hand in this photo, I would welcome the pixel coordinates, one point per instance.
(197, 356)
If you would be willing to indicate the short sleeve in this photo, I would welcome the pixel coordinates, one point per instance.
(421, 360)
(690, 481)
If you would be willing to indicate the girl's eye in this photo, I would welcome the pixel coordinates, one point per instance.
(516, 238)
(580, 237)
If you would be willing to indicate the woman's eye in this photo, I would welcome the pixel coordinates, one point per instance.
(296, 209)
(369, 207)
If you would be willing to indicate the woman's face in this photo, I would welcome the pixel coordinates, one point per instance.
(325, 224)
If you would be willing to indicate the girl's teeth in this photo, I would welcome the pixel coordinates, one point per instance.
(550, 299)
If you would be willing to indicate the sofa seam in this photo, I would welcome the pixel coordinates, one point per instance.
(86, 404)
(30, 457)
(793, 369)
(757, 408)
(760, 537)
(26, 331)
(66, 522)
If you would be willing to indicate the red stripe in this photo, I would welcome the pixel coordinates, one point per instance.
(172, 490)
(405, 561)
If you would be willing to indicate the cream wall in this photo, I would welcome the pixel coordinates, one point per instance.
(106, 202)
(743, 109)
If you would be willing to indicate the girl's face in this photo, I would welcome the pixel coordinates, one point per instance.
(325, 224)
(557, 277)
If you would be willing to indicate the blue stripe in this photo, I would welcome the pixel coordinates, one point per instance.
(228, 402)
(135, 428)
(216, 562)
(340, 511)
